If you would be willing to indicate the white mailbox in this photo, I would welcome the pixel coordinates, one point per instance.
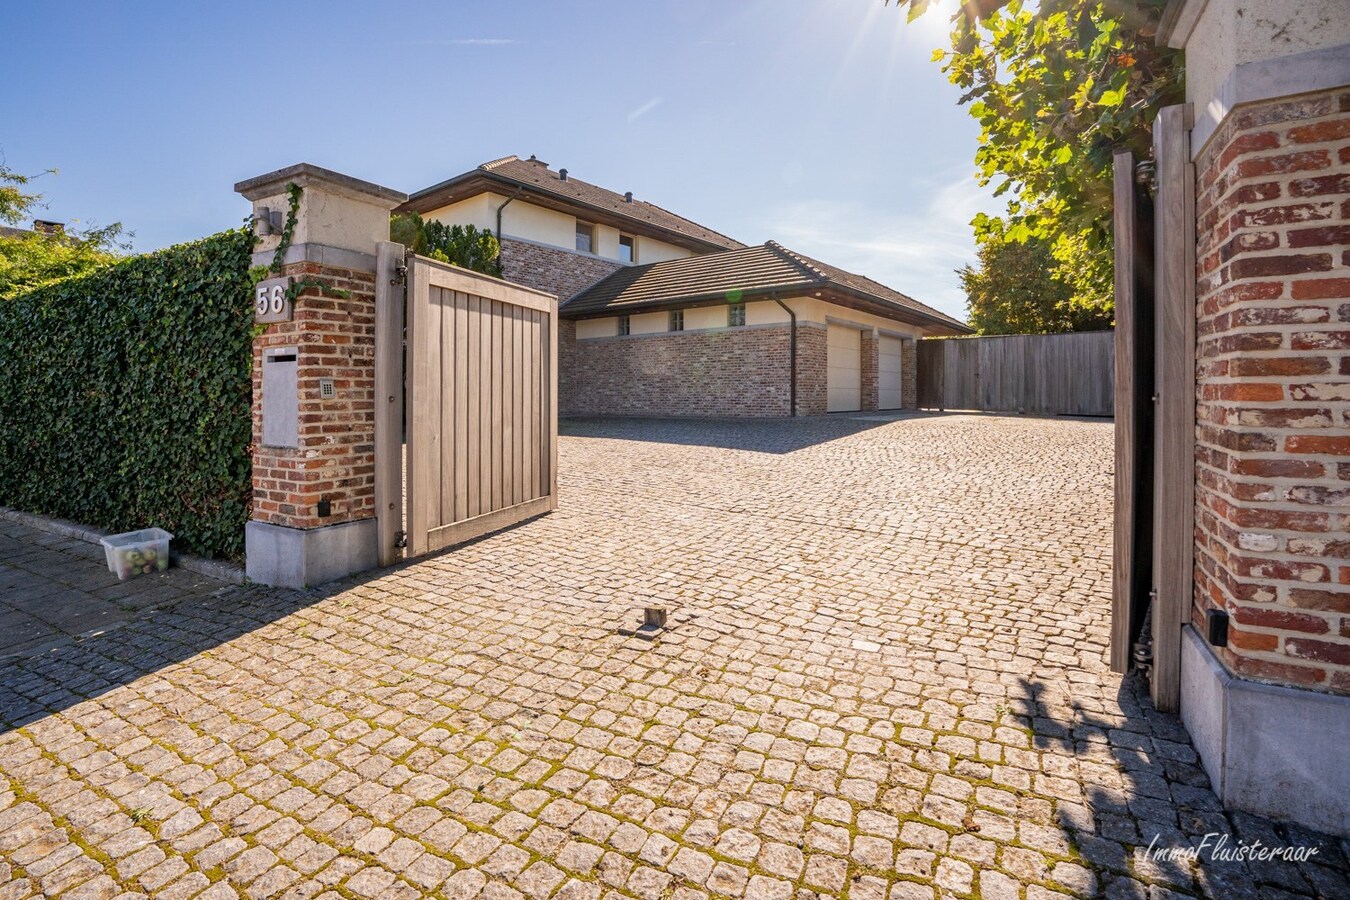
(280, 400)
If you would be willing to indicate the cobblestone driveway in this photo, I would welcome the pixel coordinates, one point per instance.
(884, 680)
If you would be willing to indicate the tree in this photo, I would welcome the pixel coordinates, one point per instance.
(1015, 291)
(1057, 88)
(459, 245)
(31, 259)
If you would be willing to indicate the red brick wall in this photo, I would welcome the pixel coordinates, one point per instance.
(335, 458)
(731, 372)
(1273, 429)
(870, 348)
(551, 269)
(812, 369)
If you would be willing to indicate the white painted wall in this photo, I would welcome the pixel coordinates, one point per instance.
(705, 317)
(809, 309)
(764, 312)
(597, 328)
(649, 323)
(650, 250)
(535, 223)
(759, 312)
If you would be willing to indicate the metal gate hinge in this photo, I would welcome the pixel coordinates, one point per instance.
(400, 539)
(400, 273)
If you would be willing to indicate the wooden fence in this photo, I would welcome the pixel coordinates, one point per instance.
(1038, 374)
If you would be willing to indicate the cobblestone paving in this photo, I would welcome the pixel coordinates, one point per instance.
(884, 679)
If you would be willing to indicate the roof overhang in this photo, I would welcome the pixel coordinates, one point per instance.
(829, 292)
(471, 184)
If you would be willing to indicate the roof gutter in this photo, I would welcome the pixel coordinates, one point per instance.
(505, 203)
(792, 355)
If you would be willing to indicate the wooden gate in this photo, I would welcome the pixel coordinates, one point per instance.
(1132, 558)
(481, 416)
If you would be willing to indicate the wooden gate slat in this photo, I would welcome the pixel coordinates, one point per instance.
(537, 391)
(1174, 422)
(445, 363)
(460, 438)
(494, 428)
(474, 423)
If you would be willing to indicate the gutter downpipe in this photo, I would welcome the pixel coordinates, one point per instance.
(792, 355)
(505, 204)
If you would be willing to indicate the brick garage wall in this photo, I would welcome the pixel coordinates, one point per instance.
(812, 369)
(870, 348)
(726, 372)
(552, 269)
(1273, 445)
(335, 458)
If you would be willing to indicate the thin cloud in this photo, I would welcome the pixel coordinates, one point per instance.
(914, 251)
(645, 108)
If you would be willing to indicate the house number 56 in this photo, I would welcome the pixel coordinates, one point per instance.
(270, 303)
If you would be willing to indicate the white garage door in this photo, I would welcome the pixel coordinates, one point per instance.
(843, 362)
(889, 395)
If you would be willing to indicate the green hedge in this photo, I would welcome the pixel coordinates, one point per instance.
(125, 395)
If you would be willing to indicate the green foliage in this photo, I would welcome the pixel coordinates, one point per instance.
(1015, 291)
(15, 202)
(127, 395)
(30, 259)
(293, 192)
(460, 245)
(1057, 87)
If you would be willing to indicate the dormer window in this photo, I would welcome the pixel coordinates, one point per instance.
(585, 237)
(627, 248)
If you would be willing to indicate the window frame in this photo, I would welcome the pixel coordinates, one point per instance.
(675, 320)
(632, 248)
(624, 327)
(732, 315)
(589, 229)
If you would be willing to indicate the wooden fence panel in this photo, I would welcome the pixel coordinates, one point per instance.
(1037, 374)
(482, 405)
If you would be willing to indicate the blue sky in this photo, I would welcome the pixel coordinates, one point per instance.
(823, 125)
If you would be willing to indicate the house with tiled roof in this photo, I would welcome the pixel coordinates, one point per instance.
(660, 315)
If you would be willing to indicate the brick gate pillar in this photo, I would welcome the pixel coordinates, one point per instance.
(1265, 660)
(313, 374)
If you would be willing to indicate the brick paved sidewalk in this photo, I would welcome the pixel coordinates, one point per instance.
(54, 589)
(884, 680)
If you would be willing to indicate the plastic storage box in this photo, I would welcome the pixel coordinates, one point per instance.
(137, 552)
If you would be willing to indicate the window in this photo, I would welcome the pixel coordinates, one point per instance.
(585, 237)
(677, 320)
(623, 325)
(736, 314)
(627, 248)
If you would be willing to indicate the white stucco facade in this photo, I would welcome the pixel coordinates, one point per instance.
(757, 312)
(528, 222)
